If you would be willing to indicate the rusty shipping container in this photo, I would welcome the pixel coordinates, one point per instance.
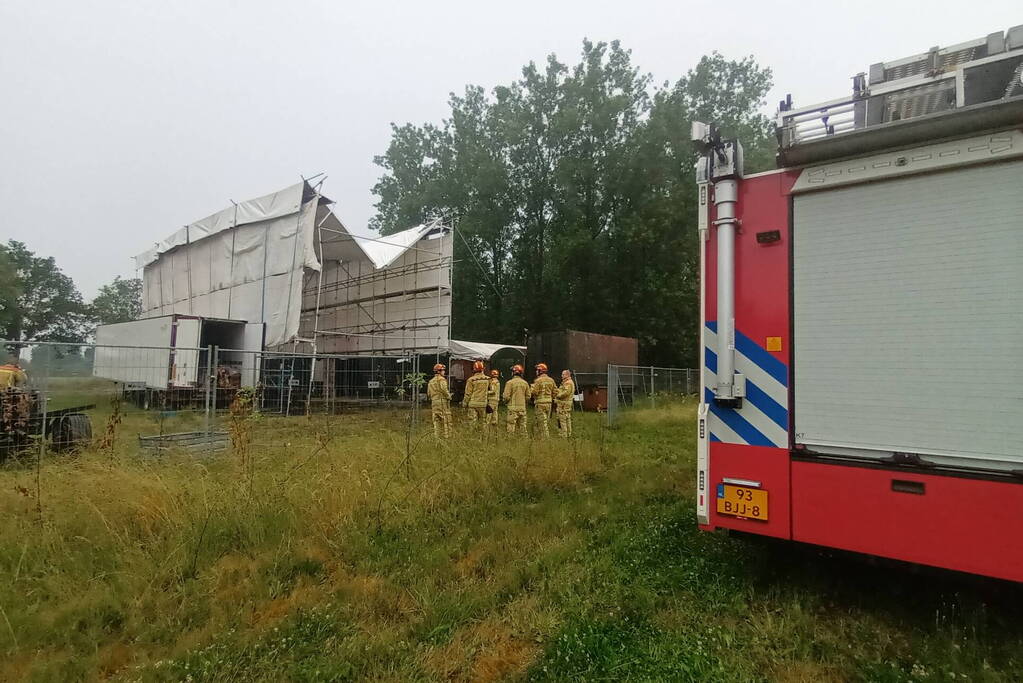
(581, 352)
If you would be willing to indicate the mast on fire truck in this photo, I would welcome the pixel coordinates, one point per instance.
(720, 169)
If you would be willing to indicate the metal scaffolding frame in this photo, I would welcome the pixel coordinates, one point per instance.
(352, 304)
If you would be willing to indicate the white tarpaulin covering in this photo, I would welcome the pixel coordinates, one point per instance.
(260, 261)
(478, 350)
(246, 262)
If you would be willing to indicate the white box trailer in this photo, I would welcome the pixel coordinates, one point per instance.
(170, 351)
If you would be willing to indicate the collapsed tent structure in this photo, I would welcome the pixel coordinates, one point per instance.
(287, 261)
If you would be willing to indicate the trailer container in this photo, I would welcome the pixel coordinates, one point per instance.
(170, 353)
(580, 352)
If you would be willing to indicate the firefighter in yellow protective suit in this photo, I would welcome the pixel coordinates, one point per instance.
(563, 404)
(543, 391)
(493, 398)
(476, 389)
(516, 390)
(440, 402)
(12, 376)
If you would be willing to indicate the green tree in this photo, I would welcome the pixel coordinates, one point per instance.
(10, 288)
(47, 306)
(117, 302)
(573, 194)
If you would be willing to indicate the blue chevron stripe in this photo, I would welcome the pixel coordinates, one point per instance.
(755, 395)
(736, 422)
(756, 353)
(760, 356)
(767, 405)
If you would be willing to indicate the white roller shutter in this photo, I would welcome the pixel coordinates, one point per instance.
(908, 313)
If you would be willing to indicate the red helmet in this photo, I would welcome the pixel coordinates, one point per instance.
(495, 373)
(517, 370)
(439, 367)
(478, 366)
(541, 367)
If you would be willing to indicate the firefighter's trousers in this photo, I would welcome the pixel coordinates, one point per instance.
(543, 416)
(441, 419)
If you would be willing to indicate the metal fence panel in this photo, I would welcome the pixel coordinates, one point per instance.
(297, 384)
(177, 398)
(75, 395)
(162, 398)
(646, 386)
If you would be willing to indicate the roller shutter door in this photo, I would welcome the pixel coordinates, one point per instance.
(908, 317)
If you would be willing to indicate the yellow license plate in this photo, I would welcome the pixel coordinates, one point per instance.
(742, 501)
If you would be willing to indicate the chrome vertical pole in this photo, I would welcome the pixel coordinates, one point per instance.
(725, 197)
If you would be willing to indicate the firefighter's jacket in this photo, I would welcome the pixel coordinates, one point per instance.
(437, 390)
(476, 389)
(516, 390)
(494, 392)
(566, 394)
(543, 389)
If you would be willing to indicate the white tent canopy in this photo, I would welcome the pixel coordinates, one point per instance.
(478, 350)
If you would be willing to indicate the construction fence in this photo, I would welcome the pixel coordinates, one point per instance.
(164, 397)
(630, 386)
(156, 399)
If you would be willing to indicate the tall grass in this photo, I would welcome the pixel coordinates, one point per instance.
(318, 555)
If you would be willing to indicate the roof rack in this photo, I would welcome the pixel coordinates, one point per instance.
(942, 92)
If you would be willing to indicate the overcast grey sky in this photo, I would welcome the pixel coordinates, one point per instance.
(122, 121)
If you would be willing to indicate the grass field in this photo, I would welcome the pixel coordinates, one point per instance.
(320, 552)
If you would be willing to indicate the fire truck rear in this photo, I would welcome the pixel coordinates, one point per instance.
(862, 317)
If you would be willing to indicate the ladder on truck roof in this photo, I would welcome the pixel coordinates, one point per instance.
(940, 93)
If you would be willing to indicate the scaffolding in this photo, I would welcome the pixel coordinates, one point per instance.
(379, 295)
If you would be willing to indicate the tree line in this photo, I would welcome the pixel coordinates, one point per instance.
(573, 195)
(38, 302)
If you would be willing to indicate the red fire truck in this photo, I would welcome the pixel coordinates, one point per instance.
(862, 307)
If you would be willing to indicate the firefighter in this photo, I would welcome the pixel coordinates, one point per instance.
(476, 389)
(493, 398)
(543, 391)
(440, 402)
(563, 404)
(515, 392)
(12, 376)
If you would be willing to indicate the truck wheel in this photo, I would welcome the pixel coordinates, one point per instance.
(72, 432)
